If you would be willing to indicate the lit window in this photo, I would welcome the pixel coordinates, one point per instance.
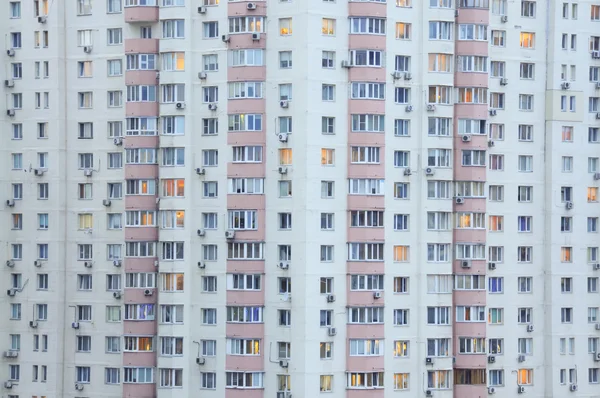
(401, 253)
(527, 40)
(403, 31)
(328, 26)
(285, 26)
(327, 157)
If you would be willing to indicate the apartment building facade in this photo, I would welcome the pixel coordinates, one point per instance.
(426, 174)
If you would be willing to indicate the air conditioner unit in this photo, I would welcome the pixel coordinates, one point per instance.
(201, 265)
(504, 81)
(430, 108)
(117, 263)
(396, 75)
(596, 54)
(459, 201)
(118, 141)
(596, 176)
(491, 390)
(521, 358)
(332, 331)
(530, 328)
(429, 393)
(88, 172)
(282, 170)
(8, 384)
(38, 172)
(10, 52)
(408, 76)
(429, 171)
(9, 83)
(573, 387)
(597, 326)
(37, 263)
(598, 115)
(491, 359)
(156, 263)
(255, 36)
(491, 143)
(465, 264)
(212, 107)
(117, 295)
(376, 295)
(33, 324)
(10, 203)
(456, 13)
(346, 64)
(42, 19)
(88, 264)
(200, 232)
(181, 105)
(284, 104)
(202, 10)
(429, 361)
(75, 325)
(10, 263)
(504, 19)
(87, 49)
(106, 202)
(283, 137)
(78, 386)
(596, 266)
(225, 38)
(283, 363)
(200, 360)
(565, 85)
(284, 265)
(569, 205)
(11, 354)
(229, 234)
(466, 138)
(409, 108)
(407, 171)
(147, 292)
(251, 6)
(200, 171)
(597, 84)
(521, 390)
(492, 266)
(597, 357)
(11, 292)
(202, 75)
(331, 298)
(493, 112)
(10, 112)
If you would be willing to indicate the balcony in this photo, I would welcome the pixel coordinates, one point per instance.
(141, 14)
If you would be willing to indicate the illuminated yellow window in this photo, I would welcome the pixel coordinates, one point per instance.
(285, 156)
(527, 40)
(284, 383)
(496, 223)
(592, 194)
(327, 157)
(401, 253)
(326, 382)
(401, 348)
(145, 343)
(525, 376)
(566, 254)
(86, 221)
(285, 26)
(403, 30)
(173, 61)
(180, 217)
(401, 381)
(172, 282)
(328, 26)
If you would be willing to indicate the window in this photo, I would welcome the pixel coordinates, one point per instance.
(210, 30)
(328, 59)
(498, 38)
(328, 92)
(472, 95)
(173, 29)
(525, 163)
(403, 31)
(440, 30)
(115, 36)
(327, 27)
(438, 379)
(285, 26)
(527, 40)
(438, 157)
(84, 7)
(15, 9)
